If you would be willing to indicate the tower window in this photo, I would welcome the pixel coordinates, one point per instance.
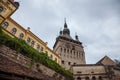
(5, 25)
(78, 78)
(63, 62)
(69, 63)
(74, 64)
(77, 55)
(14, 30)
(87, 78)
(60, 49)
(68, 51)
(93, 78)
(100, 78)
(73, 47)
(64, 50)
(21, 35)
(1, 9)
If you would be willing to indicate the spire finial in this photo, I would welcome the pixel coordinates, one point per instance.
(65, 24)
(65, 20)
(76, 36)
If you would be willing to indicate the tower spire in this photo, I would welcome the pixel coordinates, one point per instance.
(65, 24)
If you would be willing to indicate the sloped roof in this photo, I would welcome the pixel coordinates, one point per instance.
(106, 61)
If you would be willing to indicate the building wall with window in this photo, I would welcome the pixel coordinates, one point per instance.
(89, 72)
(70, 50)
(12, 28)
(7, 8)
(98, 71)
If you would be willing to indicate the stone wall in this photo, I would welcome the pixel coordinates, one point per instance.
(26, 62)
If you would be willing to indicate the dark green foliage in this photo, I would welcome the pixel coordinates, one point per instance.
(1, 30)
(26, 50)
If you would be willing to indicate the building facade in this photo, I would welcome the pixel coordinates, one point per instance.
(71, 51)
(15, 30)
(105, 69)
(67, 52)
(7, 8)
(89, 72)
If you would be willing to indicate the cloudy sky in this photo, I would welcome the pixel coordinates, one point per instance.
(97, 23)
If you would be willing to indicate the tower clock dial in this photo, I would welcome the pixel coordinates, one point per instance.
(67, 45)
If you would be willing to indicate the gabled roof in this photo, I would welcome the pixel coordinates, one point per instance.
(106, 61)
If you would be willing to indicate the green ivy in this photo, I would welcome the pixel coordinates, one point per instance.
(26, 50)
(1, 30)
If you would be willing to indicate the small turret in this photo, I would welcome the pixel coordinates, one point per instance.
(28, 29)
(17, 4)
(76, 38)
(60, 32)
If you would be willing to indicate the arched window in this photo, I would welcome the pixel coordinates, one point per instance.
(60, 50)
(41, 49)
(32, 43)
(63, 62)
(38, 47)
(28, 40)
(69, 63)
(77, 54)
(64, 50)
(67, 50)
(46, 52)
(78, 78)
(55, 59)
(1, 9)
(100, 78)
(5, 25)
(93, 78)
(87, 78)
(74, 54)
(71, 51)
(51, 56)
(21, 35)
(14, 30)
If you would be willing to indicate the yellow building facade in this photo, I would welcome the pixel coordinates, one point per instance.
(15, 30)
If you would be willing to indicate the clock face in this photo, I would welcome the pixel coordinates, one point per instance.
(67, 45)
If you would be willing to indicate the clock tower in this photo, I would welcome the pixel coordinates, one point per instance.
(70, 50)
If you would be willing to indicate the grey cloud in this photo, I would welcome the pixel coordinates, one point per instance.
(97, 22)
